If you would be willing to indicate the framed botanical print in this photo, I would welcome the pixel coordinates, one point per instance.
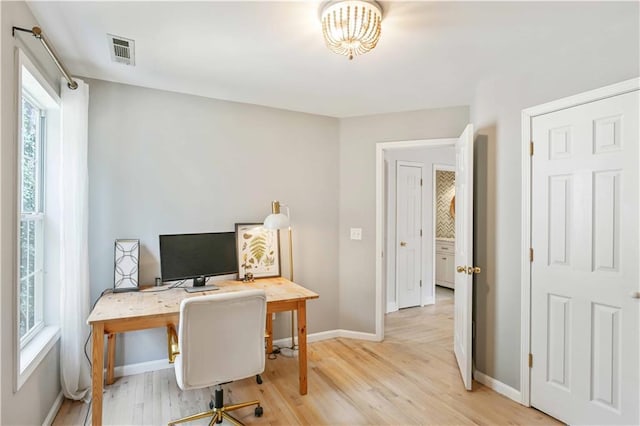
(258, 250)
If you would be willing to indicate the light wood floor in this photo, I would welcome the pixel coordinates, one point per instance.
(410, 378)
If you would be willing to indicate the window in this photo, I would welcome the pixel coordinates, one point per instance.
(31, 231)
(37, 246)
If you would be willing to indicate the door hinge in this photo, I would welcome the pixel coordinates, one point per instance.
(420, 181)
(530, 360)
(421, 232)
(420, 283)
(530, 255)
(531, 148)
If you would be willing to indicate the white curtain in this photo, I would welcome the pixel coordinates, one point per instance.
(74, 260)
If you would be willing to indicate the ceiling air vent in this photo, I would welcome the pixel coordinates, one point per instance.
(122, 49)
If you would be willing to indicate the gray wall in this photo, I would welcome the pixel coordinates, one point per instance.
(358, 138)
(31, 404)
(428, 157)
(162, 162)
(599, 45)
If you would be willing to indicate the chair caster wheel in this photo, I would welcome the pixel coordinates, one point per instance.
(258, 379)
(219, 420)
(211, 405)
(258, 412)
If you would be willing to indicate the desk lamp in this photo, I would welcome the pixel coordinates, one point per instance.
(277, 220)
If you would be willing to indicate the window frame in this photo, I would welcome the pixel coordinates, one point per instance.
(28, 354)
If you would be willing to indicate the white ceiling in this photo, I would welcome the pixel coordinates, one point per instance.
(272, 53)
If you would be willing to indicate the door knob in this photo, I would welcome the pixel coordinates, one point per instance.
(635, 294)
(461, 269)
(403, 243)
(473, 270)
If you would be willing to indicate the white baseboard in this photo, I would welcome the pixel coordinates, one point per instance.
(313, 337)
(331, 334)
(57, 403)
(391, 307)
(430, 301)
(140, 367)
(498, 386)
(161, 364)
(359, 335)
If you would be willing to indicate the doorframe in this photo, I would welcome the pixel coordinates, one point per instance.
(525, 278)
(381, 147)
(446, 168)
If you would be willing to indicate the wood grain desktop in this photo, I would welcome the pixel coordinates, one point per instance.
(150, 308)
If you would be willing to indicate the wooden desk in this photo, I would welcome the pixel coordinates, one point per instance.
(122, 312)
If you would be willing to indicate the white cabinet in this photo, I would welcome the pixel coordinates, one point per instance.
(445, 262)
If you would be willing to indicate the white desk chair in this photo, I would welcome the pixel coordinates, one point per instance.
(220, 339)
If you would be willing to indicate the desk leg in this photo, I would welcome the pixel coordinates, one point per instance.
(97, 375)
(269, 333)
(111, 357)
(302, 346)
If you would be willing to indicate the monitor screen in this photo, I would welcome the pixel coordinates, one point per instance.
(184, 256)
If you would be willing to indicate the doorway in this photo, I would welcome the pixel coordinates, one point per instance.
(444, 227)
(462, 338)
(415, 225)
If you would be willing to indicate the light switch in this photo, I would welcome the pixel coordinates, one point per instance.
(356, 233)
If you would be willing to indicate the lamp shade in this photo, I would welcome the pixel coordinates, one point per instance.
(276, 221)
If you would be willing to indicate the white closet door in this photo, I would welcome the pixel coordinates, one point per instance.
(584, 321)
(408, 233)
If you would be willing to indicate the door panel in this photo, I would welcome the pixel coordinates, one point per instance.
(464, 254)
(584, 322)
(408, 226)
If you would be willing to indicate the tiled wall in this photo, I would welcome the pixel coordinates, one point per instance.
(445, 190)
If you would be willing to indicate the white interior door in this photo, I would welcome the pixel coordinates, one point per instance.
(584, 319)
(408, 233)
(464, 254)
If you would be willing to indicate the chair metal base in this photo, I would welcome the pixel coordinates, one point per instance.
(219, 411)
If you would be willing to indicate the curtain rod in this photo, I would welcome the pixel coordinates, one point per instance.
(37, 33)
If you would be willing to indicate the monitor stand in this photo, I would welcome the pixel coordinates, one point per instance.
(198, 285)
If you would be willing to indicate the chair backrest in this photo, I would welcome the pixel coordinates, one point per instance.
(221, 338)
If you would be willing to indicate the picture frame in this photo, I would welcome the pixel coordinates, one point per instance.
(258, 250)
(126, 257)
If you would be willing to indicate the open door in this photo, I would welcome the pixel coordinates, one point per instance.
(464, 254)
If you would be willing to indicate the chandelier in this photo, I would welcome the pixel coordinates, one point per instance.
(351, 27)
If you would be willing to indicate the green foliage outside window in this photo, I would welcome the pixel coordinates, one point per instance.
(30, 190)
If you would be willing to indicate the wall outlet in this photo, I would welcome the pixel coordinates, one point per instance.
(356, 233)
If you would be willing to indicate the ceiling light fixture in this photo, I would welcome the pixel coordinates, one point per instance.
(351, 27)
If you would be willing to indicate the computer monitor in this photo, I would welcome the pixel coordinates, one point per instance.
(197, 256)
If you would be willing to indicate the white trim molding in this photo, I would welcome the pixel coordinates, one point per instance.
(140, 367)
(53, 412)
(498, 386)
(327, 335)
(161, 364)
(35, 352)
(525, 279)
(391, 307)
